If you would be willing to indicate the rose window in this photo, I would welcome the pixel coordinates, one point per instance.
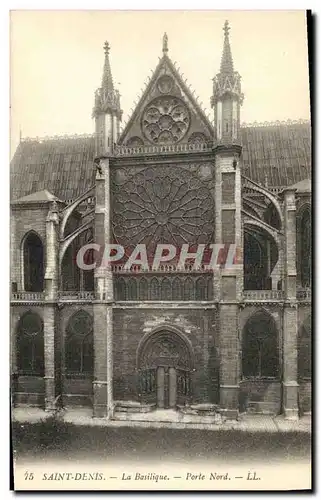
(165, 120)
(162, 205)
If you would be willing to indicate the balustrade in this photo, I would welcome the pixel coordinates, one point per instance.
(263, 294)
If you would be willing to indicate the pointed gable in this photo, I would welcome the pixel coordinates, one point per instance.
(43, 196)
(167, 112)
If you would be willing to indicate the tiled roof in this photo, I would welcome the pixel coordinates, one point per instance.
(275, 155)
(61, 165)
(38, 196)
(302, 186)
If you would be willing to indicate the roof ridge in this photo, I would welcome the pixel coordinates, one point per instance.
(300, 121)
(57, 137)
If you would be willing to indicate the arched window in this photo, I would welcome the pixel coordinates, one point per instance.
(305, 231)
(253, 262)
(166, 290)
(70, 272)
(200, 289)
(177, 293)
(260, 357)
(120, 288)
(33, 263)
(304, 351)
(132, 289)
(188, 289)
(30, 345)
(79, 352)
(143, 289)
(154, 289)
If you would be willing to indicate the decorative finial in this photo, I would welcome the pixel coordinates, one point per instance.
(165, 43)
(226, 28)
(106, 48)
(227, 61)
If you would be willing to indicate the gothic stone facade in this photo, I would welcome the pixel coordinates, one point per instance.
(237, 337)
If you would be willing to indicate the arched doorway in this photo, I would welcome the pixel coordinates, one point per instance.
(165, 365)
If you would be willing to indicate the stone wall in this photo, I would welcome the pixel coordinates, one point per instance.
(131, 325)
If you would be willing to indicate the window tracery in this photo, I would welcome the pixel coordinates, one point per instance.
(30, 345)
(79, 345)
(166, 204)
(165, 120)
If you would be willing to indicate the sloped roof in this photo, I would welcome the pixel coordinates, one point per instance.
(39, 196)
(302, 186)
(61, 165)
(278, 155)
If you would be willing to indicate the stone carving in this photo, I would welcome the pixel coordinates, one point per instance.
(162, 205)
(165, 84)
(198, 138)
(165, 120)
(134, 141)
(165, 349)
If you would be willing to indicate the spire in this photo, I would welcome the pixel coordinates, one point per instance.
(165, 43)
(227, 61)
(107, 99)
(107, 80)
(227, 80)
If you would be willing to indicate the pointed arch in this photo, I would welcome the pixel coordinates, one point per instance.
(188, 289)
(79, 345)
(132, 289)
(120, 285)
(260, 350)
(32, 262)
(166, 289)
(163, 333)
(200, 289)
(304, 247)
(30, 345)
(154, 289)
(261, 255)
(177, 293)
(304, 350)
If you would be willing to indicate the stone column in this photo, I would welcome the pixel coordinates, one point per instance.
(102, 307)
(51, 273)
(290, 320)
(231, 280)
(51, 289)
(49, 352)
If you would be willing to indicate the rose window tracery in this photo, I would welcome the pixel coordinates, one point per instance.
(165, 120)
(162, 205)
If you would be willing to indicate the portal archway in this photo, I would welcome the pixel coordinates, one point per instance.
(165, 363)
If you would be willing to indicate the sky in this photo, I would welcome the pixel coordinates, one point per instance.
(57, 61)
